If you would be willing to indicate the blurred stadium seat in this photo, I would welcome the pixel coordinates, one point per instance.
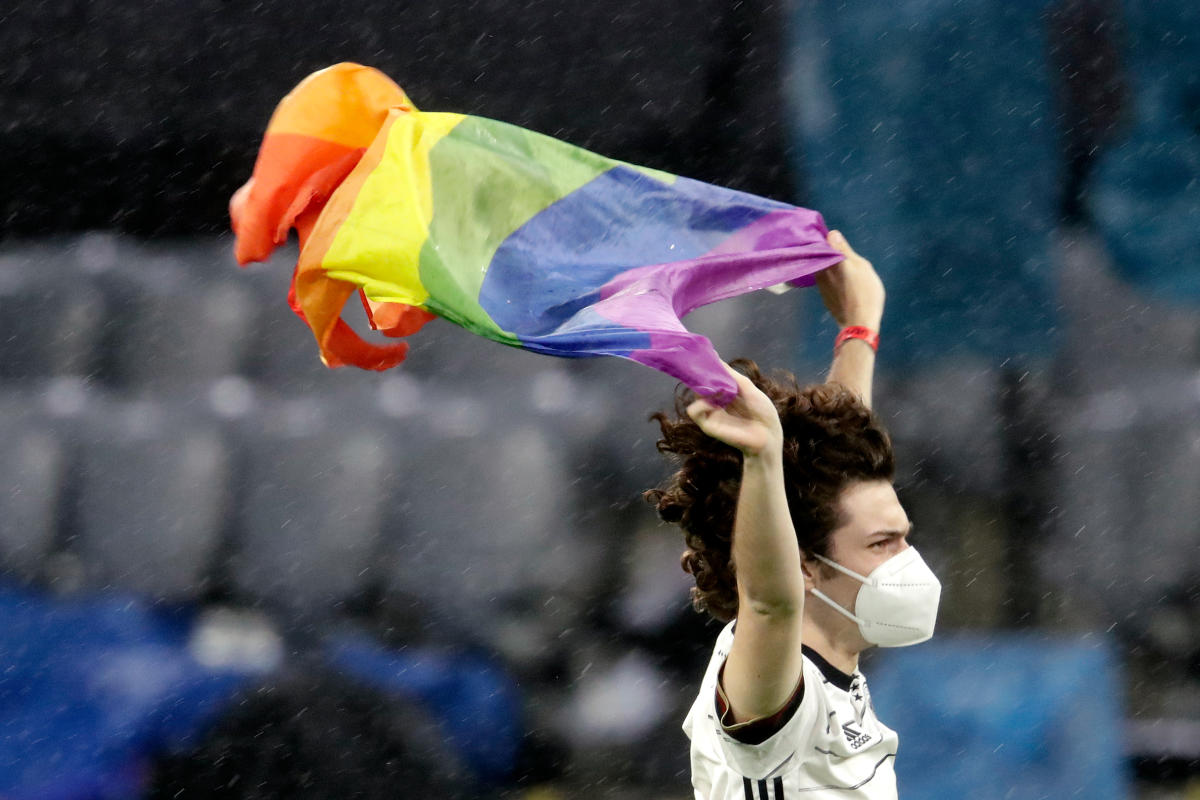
(172, 327)
(1128, 499)
(1127, 448)
(951, 437)
(152, 500)
(32, 479)
(482, 526)
(311, 500)
(48, 326)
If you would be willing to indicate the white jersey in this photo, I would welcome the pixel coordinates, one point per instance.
(832, 747)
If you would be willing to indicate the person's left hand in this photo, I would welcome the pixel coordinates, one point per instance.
(851, 289)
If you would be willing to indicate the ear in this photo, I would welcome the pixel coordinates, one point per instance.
(809, 567)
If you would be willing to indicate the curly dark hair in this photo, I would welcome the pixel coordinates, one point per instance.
(831, 440)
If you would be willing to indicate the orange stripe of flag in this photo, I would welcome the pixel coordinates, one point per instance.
(321, 298)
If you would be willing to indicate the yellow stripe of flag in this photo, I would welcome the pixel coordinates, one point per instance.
(390, 216)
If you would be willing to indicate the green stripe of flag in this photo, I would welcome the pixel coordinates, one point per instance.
(488, 170)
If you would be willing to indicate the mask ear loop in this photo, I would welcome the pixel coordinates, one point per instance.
(829, 602)
(837, 607)
(845, 571)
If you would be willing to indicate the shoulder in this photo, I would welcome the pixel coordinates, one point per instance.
(833, 741)
(715, 744)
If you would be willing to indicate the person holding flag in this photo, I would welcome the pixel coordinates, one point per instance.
(784, 493)
(796, 538)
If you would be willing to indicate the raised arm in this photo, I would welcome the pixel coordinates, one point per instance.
(854, 295)
(763, 668)
(765, 665)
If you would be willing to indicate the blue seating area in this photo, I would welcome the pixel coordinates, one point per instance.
(98, 686)
(1040, 714)
(1144, 196)
(92, 688)
(924, 130)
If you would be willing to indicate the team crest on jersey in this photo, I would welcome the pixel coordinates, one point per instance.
(854, 737)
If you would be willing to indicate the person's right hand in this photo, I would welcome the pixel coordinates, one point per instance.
(750, 423)
(851, 289)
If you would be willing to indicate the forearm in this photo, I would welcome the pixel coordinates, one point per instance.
(854, 367)
(854, 295)
(765, 553)
(764, 663)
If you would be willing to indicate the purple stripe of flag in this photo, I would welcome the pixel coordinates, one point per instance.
(784, 246)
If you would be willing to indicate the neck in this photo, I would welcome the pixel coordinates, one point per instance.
(836, 644)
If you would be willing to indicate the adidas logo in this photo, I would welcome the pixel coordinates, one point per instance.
(854, 737)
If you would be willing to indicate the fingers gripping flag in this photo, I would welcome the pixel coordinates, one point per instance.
(516, 236)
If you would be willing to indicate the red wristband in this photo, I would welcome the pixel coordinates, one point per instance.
(857, 332)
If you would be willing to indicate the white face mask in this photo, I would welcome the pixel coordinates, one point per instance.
(897, 603)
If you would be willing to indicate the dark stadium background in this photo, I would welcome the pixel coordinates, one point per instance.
(227, 567)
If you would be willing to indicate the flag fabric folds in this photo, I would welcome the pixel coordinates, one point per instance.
(516, 236)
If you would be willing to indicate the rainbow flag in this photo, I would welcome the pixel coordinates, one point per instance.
(516, 236)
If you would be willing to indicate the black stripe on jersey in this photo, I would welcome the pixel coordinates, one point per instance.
(777, 785)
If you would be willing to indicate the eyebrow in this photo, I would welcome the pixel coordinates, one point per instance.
(895, 532)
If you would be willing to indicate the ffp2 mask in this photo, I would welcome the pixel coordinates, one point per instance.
(897, 603)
